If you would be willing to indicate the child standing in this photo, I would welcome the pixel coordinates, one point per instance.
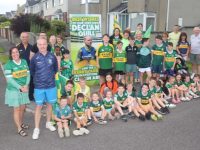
(169, 60)
(158, 52)
(119, 61)
(183, 46)
(66, 65)
(62, 116)
(80, 109)
(131, 67)
(144, 62)
(104, 58)
(97, 109)
(165, 37)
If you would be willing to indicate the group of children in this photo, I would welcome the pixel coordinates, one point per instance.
(151, 101)
(166, 83)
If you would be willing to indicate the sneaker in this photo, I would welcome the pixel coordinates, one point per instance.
(159, 117)
(36, 133)
(187, 98)
(124, 118)
(101, 121)
(154, 118)
(84, 130)
(183, 99)
(142, 118)
(168, 97)
(60, 132)
(89, 122)
(178, 100)
(67, 132)
(170, 105)
(131, 115)
(161, 111)
(50, 126)
(196, 96)
(77, 132)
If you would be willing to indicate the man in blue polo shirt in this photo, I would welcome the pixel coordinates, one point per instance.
(43, 67)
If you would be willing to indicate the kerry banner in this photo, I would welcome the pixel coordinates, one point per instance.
(82, 25)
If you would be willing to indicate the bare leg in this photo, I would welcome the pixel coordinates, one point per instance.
(37, 116)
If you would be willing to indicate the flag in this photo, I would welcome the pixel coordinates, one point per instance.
(116, 24)
(147, 34)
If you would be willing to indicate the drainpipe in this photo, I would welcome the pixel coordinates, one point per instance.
(86, 6)
(167, 21)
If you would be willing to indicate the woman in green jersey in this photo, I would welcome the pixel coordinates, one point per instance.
(17, 76)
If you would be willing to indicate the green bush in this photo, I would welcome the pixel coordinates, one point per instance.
(4, 24)
(58, 27)
(25, 21)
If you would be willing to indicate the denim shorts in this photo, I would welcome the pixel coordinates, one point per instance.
(131, 68)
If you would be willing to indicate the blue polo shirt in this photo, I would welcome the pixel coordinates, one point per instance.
(43, 69)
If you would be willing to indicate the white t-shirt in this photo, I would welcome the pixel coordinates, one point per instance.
(174, 37)
(195, 44)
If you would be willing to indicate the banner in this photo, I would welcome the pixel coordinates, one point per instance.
(80, 26)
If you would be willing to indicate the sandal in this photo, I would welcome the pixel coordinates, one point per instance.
(24, 126)
(22, 133)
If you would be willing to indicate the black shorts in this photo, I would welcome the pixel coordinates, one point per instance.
(119, 72)
(104, 72)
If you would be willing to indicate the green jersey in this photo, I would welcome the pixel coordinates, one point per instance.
(18, 74)
(170, 59)
(96, 105)
(80, 109)
(159, 91)
(67, 68)
(144, 57)
(179, 83)
(125, 43)
(119, 60)
(131, 94)
(58, 111)
(144, 99)
(115, 40)
(187, 84)
(108, 104)
(105, 55)
(138, 43)
(169, 85)
(152, 90)
(120, 98)
(158, 53)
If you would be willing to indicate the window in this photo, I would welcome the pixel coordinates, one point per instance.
(61, 2)
(53, 3)
(89, 1)
(46, 5)
(124, 1)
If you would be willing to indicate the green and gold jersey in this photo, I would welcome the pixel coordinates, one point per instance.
(120, 98)
(152, 90)
(18, 72)
(96, 105)
(119, 60)
(80, 109)
(170, 59)
(159, 92)
(67, 68)
(131, 94)
(158, 53)
(144, 99)
(179, 83)
(115, 40)
(169, 85)
(105, 55)
(108, 104)
(187, 84)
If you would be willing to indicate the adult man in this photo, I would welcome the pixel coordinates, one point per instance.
(43, 68)
(24, 50)
(87, 52)
(174, 36)
(35, 49)
(195, 50)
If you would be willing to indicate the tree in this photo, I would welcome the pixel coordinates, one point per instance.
(25, 21)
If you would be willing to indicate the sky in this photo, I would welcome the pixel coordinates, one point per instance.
(8, 5)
